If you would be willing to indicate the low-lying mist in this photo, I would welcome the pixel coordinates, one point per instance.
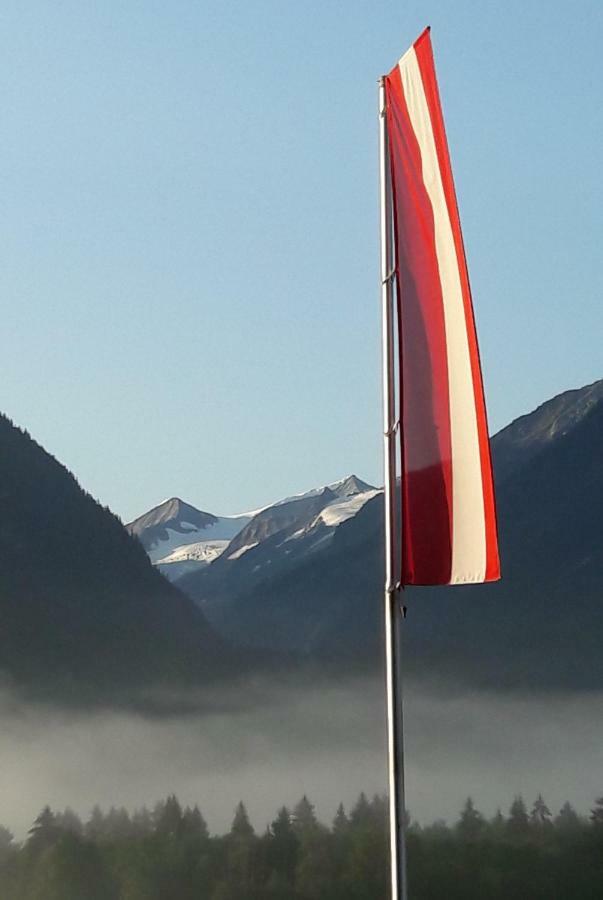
(268, 744)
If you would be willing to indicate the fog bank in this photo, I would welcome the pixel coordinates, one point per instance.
(268, 744)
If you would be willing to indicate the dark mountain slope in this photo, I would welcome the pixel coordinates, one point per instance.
(525, 437)
(543, 623)
(82, 610)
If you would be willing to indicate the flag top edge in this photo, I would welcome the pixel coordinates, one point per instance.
(424, 34)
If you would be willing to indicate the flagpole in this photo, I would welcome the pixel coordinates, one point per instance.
(392, 610)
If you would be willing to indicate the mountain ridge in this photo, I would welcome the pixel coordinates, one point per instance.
(181, 539)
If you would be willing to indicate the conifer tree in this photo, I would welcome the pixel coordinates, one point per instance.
(340, 822)
(72, 869)
(540, 816)
(281, 826)
(497, 823)
(168, 820)
(567, 819)
(69, 821)
(304, 816)
(471, 821)
(95, 826)
(241, 826)
(142, 822)
(44, 832)
(117, 823)
(380, 812)
(284, 845)
(596, 813)
(194, 824)
(360, 815)
(518, 822)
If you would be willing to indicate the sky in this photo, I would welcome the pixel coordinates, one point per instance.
(189, 278)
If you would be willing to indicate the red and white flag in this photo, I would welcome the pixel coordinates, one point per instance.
(449, 518)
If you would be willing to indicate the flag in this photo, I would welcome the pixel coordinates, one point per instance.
(449, 521)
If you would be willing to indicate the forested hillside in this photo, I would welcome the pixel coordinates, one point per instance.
(83, 613)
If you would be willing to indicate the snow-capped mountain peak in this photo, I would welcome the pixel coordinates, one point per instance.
(180, 538)
(349, 486)
(345, 487)
(175, 525)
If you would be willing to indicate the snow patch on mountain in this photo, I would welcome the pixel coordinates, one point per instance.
(202, 551)
(190, 558)
(224, 528)
(238, 553)
(336, 513)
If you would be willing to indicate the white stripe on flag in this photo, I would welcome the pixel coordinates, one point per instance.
(468, 517)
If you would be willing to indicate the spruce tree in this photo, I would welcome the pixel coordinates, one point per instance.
(518, 822)
(194, 824)
(341, 822)
(360, 815)
(596, 813)
(168, 821)
(471, 822)
(69, 821)
(44, 832)
(283, 845)
(497, 823)
(241, 826)
(567, 819)
(304, 817)
(95, 827)
(540, 816)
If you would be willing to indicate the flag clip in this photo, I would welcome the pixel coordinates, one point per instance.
(393, 430)
(391, 274)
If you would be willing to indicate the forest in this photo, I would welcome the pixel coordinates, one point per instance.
(168, 853)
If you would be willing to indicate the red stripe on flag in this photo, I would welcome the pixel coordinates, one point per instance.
(424, 54)
(426, 448)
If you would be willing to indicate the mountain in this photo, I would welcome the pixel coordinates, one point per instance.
(317, 590)
(270, 547)
(180, 538)
(294, 516)
(527, 436)
(83, 613)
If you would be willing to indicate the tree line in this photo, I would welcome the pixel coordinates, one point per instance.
(167, 853)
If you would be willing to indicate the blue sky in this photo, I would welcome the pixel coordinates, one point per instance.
(189, 229)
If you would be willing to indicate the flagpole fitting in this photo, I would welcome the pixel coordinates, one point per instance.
(391, 274)
(393, 430)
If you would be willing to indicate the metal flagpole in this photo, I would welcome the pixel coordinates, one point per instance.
(392, 609)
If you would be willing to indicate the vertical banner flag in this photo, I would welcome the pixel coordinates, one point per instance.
(449, 517)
